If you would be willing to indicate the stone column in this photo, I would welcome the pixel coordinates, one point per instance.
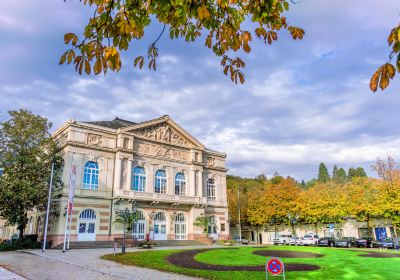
(117, 173)
(150, 178)
(129, 175)
(200, 186)
(191, 188)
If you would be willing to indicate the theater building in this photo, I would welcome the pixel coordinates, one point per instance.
(154, 167)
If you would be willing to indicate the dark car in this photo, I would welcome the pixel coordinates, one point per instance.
(388, 243)
(368, 243)
(326, 241)
(345, 242)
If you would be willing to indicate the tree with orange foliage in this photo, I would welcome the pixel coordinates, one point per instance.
(273, 202)
(389, 188)
(363, 199)
(323, 203)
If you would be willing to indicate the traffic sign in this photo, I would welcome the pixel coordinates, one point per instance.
(275, 267)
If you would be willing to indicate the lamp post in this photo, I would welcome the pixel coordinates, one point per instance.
(240, 223)
(152, 214)
(134, 211)
(48, 209)
(123, 213)
(293, 218)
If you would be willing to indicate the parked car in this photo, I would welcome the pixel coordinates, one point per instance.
(326, 241)
(310, 239)
(283, 239)
(368, 243)
(295, 240)
(14, 237)
(245, 241)
(388, 243)
(345, 242)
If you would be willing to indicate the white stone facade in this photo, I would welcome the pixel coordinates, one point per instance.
(168, 207)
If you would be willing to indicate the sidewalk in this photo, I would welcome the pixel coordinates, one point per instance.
(79, 264)
(8, 275)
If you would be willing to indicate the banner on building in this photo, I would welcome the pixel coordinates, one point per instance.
(72, 180)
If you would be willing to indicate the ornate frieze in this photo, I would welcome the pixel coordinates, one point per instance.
(160, 151)
(210, 161)
(162, 133)
(93, 139)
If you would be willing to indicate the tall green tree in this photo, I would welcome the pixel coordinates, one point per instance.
(360, 172)
(323, 175)
(27, 151)
(116, 25)
(341, 176)
(351, 173)
(334, 172)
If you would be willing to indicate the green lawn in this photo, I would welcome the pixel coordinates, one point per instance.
(336, 264)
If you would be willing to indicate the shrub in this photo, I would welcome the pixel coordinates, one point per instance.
(148, 243)
(22, 243)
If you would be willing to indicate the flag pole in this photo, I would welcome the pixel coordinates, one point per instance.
(48, 209)
(66, 227)
(69, 228)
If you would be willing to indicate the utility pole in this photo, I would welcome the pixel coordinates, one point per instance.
(240, 225)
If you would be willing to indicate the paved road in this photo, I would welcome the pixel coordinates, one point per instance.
(77, 264)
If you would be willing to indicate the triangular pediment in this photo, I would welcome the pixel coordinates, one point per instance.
(164, 130)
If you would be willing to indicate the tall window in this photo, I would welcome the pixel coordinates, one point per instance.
(180, 184)
(139, 179)
(160, 182)
(180, 227)
(91, 176)
(211, 189)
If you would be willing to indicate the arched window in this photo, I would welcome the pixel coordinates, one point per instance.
(211, 189)
(87, 214)
(160, 182)
(139, 179)
(212, 225)
(91, 176)
(180, 184)
(160, 216)
(180, 227)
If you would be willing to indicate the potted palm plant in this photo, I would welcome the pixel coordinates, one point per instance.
(126, 218)
(202, 222)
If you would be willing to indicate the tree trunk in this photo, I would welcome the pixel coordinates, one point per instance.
(21, 230)
(316, 228)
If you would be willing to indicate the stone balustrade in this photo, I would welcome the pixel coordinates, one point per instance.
(159, 197)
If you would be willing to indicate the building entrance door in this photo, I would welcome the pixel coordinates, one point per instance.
(87, 226)
(212, 228)
(160, 226)
(138, 229)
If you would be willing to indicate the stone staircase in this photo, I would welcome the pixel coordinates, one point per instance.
(110, 244)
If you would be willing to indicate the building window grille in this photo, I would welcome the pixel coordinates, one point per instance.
(91, 176)
(180, 184)
(139, 179)
(180, 227)
(160, 182)
(211, 189)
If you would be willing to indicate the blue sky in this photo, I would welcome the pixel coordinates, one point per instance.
(302, 103)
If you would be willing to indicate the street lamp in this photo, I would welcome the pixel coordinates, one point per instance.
(293, 218)
(152, 214)
(134, 211)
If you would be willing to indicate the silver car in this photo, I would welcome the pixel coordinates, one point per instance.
(283, 239)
